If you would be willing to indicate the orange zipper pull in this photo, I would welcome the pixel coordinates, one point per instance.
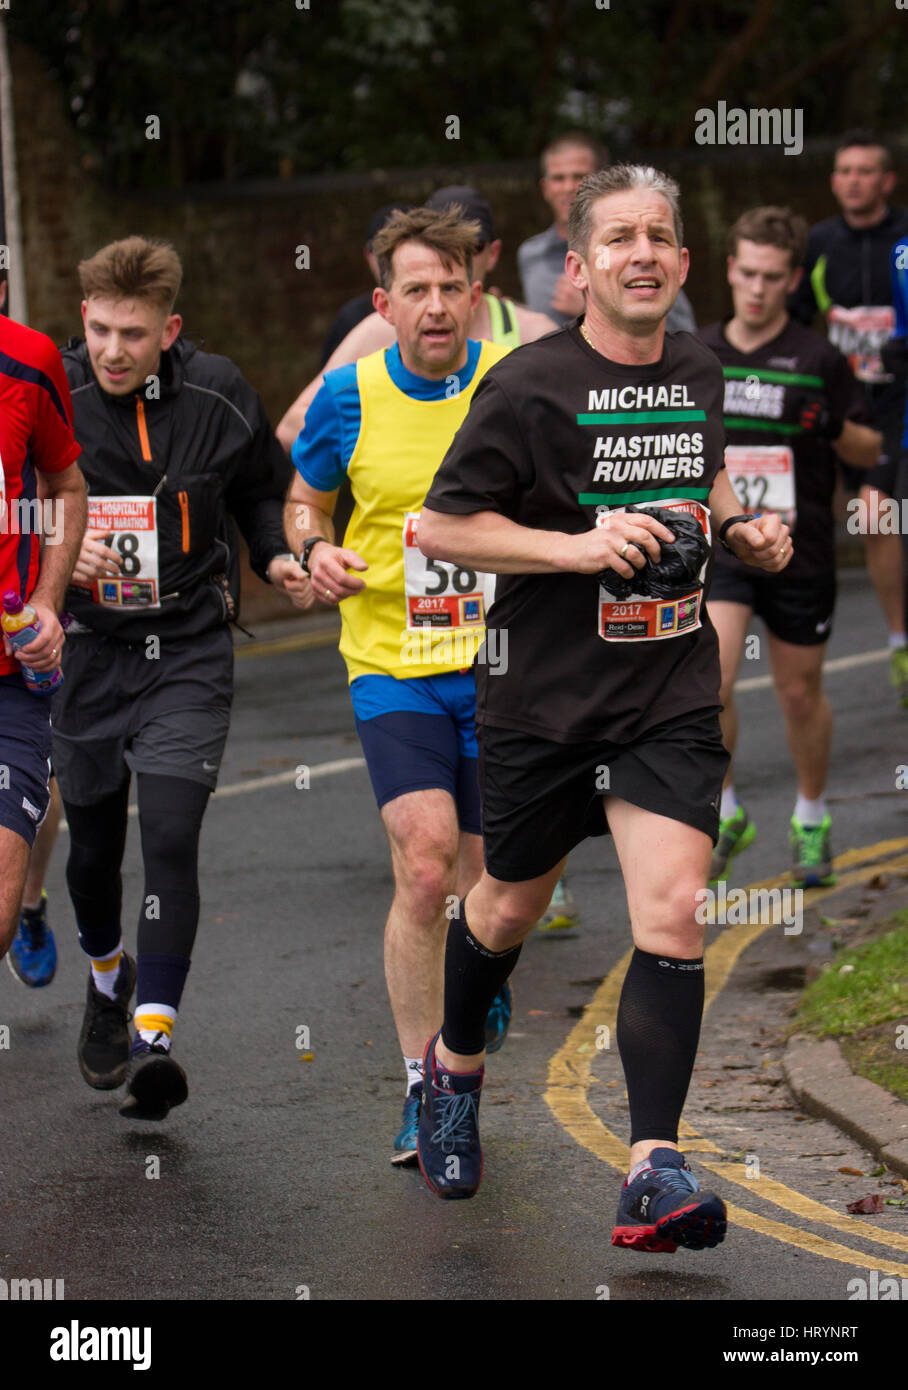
(184, 508)
(143, 429)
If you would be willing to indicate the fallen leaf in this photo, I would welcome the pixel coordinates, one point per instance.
(878, 1172)
(865, 1206)
(855, 1172)
(878, 881)
(891, 1202)
(307, 1056)
(539, 1013)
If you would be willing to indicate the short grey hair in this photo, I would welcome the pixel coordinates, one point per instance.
(619, 178)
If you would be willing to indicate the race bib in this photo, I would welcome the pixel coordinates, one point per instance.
(859, 333)
(440, 594)
(130, 528)
(763, 477)
(642, 619)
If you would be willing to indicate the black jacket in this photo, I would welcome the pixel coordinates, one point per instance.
(201, 443)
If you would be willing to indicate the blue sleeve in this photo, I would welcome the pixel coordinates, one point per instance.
(900, 287)
(323, 447)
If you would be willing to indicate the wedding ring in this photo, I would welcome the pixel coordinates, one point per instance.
(327, 593)
(623, 551)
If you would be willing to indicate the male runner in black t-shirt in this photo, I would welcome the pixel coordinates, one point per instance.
(562, 434)
(791, 405)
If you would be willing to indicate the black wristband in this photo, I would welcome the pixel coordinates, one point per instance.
(732, 521)
(307, 551)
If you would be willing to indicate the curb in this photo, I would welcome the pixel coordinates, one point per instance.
(823, 1084)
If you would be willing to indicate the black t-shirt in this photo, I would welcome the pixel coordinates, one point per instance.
(555, 433)
(765, 392)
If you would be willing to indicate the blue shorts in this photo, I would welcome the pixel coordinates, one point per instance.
(24, 758)
(419, 735)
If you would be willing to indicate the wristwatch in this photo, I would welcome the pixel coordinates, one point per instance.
(307, 551)
(733, 521)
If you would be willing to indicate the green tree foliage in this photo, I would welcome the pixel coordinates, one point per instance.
(263, 88)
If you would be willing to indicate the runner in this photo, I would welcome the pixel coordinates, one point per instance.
(575, 428)
(36, 443)
(410, 629)
(564, 164)
(791, 406)
(32, 955)
(895, 361)
(494, 320)
(846, 279)
(176, 442)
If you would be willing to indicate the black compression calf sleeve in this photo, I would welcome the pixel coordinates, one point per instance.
(473, 977)
(97, 836)
(658, 1030)
(170, 816)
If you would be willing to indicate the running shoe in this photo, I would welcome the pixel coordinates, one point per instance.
(664, 1208)
(898, 674)
(104, 1041)
(404, 1155)
(736, 832)
(498, 1018)
(32, 955)
(450, 1158)
(812, 854)
(154, 1081)
(562, 912)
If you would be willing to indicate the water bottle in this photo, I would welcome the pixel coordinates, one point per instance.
(21, 624)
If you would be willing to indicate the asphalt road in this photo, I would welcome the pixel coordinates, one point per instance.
(273, 1181)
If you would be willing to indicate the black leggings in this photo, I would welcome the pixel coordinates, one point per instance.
(170, 819)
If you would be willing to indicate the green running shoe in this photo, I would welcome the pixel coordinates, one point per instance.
(736, 832)
(898, 674)
(812, 866)
(562, 912)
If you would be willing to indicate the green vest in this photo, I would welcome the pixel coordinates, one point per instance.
(505, 328)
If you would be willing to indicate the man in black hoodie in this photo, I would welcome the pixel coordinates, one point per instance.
(847, 280)
(176, 448)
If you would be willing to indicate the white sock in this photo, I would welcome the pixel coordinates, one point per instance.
(810, 812)
(729, 801)
(413, 1066)
(105, 971)
(898, 639)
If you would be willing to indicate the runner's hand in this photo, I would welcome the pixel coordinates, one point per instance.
(600, 549)
(286, 573)
(43, 654)
(330, 579)
(764, 542)
(96, 561)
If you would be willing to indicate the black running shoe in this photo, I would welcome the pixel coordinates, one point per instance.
(104, 1041)
(155, 1082)
(450, 1157)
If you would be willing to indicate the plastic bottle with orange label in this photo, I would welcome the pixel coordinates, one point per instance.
(21, 624)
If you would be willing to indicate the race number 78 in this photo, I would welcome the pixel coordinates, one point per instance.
(127, 544)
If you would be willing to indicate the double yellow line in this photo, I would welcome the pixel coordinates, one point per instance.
(570, 1077)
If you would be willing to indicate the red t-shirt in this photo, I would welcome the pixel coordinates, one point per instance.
(36, 435)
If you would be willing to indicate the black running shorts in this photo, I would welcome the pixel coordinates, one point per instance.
(795, 611)
(122, 708)
(540, 799)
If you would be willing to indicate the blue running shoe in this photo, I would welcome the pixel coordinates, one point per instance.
(32, 957)
(450, 1158)
(498, 1018)
(664, 1208)
(404, 1155)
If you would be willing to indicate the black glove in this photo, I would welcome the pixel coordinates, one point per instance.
(894, 356)
(677, 570)
(819, 421)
